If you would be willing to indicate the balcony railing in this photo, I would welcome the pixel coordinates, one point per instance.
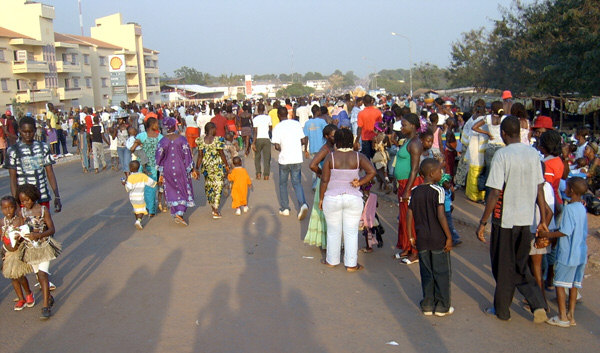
(131, 69)
(69, 93)
(65, 66)
(133, 89)
(33, 95)
(29, 67)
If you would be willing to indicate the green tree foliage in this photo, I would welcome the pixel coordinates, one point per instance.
(470, 61)
(192, 76)
(425, 75)
(295, 90)
(550, 46)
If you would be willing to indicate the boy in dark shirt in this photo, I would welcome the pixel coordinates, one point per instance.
(433, 239)
(97, 136)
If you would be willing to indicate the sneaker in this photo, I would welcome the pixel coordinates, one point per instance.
(245, 209)
(427, 313)
(30, 300)
(238, 212)
(303, 212)
(138, 225)
(285, 212)
(46, 313)
(449, 312)
(20, 305)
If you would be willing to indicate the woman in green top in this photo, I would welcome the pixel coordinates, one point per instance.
(405, 171)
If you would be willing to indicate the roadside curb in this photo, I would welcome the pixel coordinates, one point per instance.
(63, 160)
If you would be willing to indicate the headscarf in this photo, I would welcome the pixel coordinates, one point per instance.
(170, 123)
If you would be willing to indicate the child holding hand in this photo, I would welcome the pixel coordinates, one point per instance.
(571, 254)
(41, 248)
(13, 267)
(135, 185)
(433, 239)
(239, 190)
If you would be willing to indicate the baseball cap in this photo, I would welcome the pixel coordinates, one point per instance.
(506, 95)
(8, 112)
(543, 122)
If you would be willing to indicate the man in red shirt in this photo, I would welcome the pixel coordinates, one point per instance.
(220, 121)
(366, 127)
(88, 120)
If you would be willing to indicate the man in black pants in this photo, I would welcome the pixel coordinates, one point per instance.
(515, 181)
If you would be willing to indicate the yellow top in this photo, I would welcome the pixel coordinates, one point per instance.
(274, 117)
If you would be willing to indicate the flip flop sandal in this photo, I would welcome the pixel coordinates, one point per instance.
(355, 269)
(216, 215)
(324, 262)
(399, 256)
(556, 321)
(365, 251)
(181, 221)
(408, 262)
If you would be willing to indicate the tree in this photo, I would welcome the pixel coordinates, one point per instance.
(469, 65)
(192, 76)
(295, 90)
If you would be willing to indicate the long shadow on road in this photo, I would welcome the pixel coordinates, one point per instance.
(270, 318)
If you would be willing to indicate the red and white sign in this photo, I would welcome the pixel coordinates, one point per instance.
(248, 85)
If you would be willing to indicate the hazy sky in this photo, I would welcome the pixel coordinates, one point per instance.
(258, 37)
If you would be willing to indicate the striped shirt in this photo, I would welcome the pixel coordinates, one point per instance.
(135, 185)
(30, 162)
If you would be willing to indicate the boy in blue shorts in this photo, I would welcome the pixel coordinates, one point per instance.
(571, 255)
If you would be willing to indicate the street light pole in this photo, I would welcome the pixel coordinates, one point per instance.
(409, 58)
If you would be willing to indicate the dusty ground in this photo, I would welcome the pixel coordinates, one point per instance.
(249, 284)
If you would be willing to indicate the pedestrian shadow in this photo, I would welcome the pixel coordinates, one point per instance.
(269, 319)
(93, 249)
(123, 322)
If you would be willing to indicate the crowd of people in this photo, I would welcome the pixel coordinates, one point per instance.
(423, 150)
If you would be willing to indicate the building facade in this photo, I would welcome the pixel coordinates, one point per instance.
(39, 66)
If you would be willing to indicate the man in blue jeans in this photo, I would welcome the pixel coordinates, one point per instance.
(288, 139)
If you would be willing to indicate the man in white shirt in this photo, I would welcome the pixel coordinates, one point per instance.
(303, 113)
(289, 138)
(261, 144)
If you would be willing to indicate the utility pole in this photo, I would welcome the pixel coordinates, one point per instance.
(80, 18)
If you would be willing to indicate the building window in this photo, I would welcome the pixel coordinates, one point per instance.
(103, 61)
(2, 58)
(88, 82)
(4, 83)
(74, 59)
(155, 63)
(75, 82)
(67, 83)
(86, 59)
(104, 82)
(22, 85)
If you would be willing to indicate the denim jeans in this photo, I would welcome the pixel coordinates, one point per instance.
(285, 171)
(455, 236)
(124, 158)
(436, 274)
(367, 149)
(61, 139)
(342, 214)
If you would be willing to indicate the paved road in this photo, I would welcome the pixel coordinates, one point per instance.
(249, 284)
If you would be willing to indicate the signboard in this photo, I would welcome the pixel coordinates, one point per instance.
(118, 79)
(248, 85)
(116, 63)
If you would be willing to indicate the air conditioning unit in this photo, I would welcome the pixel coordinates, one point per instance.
(21, 55)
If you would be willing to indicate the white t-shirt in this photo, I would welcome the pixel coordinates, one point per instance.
(262, 123)
(105, 117)
(82, 116)
(303, 113)
(580, 150)
(549, 197)
(201, 121)
(190, 121)
(288, 134)
(442, 119)
(397, 126)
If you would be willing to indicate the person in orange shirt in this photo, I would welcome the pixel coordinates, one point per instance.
(366, 127)
(240, 181)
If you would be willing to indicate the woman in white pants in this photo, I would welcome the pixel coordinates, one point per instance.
(341, 200)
